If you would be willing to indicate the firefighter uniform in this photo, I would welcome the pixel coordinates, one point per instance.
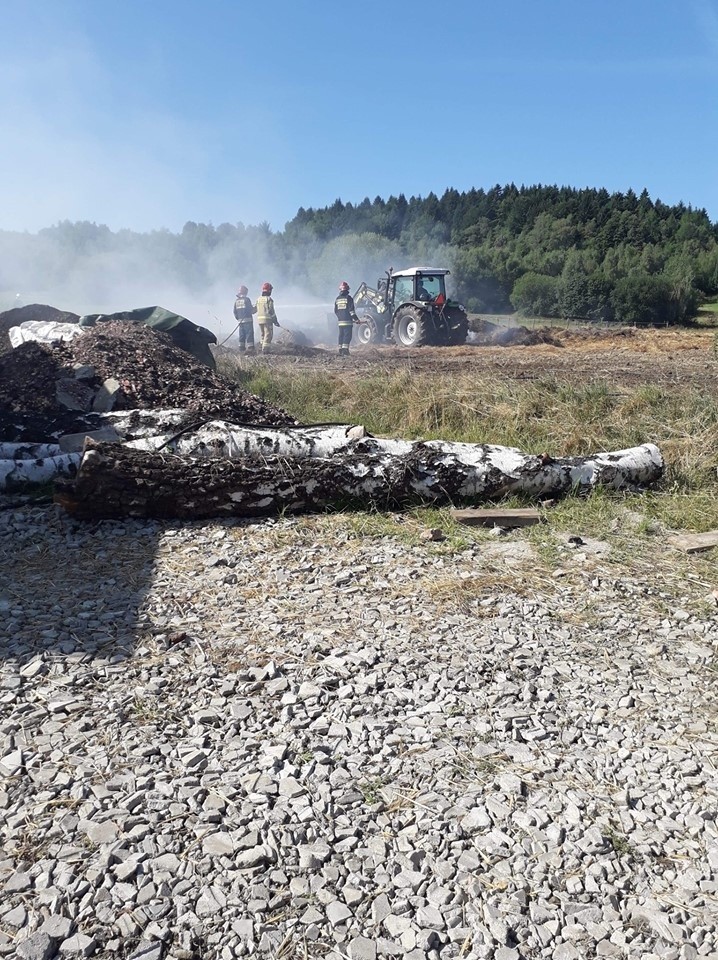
(243, 311)
(346, 318)
(266, 318)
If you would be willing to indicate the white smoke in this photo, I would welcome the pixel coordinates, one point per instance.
(85, 268)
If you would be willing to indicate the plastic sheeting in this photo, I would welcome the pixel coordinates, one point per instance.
(185, 334)
(44, 331)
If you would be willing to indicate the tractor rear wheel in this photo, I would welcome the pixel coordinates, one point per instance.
(459, 326)
(411, 327)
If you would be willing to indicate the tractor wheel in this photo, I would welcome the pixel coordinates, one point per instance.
(459, 324)
(368, 332)
(411, 328)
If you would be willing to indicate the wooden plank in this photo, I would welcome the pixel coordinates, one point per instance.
(479, 517)
(695, 542)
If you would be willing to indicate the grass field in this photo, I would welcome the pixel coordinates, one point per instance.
(545, 414)
(709, 307)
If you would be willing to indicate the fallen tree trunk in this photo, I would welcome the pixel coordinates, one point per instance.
(116, 481)
(28, 451)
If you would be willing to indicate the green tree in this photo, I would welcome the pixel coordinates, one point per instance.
(476, 282)
(573, 289)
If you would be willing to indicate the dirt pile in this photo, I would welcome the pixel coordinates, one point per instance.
(138, 368)
(587, 334)
(33, 311)
(290, 337)
(291, 342)
(28, 377)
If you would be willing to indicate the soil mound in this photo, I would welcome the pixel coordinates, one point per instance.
(152, 373)
(587, 333)
(33, 311)
(481, 328)
(28, 378)
(288, 337)
(295, 349)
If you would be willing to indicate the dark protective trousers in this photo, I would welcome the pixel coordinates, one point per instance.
(246, 336)
(345, 334)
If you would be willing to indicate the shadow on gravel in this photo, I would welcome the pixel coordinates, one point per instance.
(72, 589)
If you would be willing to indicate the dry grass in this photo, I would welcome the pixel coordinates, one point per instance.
(666, 341)
(449, 399)
(546, 415)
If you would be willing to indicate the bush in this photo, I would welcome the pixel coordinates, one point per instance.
(535, 293)
(642, 298)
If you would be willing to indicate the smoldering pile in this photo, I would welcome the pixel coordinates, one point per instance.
(486, 333)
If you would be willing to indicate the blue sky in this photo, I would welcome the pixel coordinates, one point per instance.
(148, 113)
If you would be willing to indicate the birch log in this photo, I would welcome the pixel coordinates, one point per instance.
(28, 451)
(116, 481)
(175, 431)
(218, 438)
(19, 474)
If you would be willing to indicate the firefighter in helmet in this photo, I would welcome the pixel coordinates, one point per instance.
(243, 310)
(266, 316)
(346, 317)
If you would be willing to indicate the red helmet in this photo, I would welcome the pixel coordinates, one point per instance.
(267, 288)
(243, 291)
(344, 287)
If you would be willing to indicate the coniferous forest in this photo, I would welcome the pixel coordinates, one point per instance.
(543, 250)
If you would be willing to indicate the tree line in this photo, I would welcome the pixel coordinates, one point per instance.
(551, 251)
(545, 250)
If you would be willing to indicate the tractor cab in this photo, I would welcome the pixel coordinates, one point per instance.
(415, 285)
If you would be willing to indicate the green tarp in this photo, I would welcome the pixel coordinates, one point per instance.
(187, 335)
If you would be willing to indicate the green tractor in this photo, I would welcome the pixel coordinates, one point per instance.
(410, 308)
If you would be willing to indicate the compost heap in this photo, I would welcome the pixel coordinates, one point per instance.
(50, 389)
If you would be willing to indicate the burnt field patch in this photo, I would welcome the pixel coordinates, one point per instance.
(623, 357)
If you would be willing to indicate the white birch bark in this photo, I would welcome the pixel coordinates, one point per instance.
(19, 474)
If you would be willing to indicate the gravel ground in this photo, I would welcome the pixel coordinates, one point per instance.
(286, 740)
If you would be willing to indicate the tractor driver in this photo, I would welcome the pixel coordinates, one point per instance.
(421, 292)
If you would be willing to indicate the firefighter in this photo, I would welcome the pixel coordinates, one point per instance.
(346, 317)
(266, 316)
(243, 310)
